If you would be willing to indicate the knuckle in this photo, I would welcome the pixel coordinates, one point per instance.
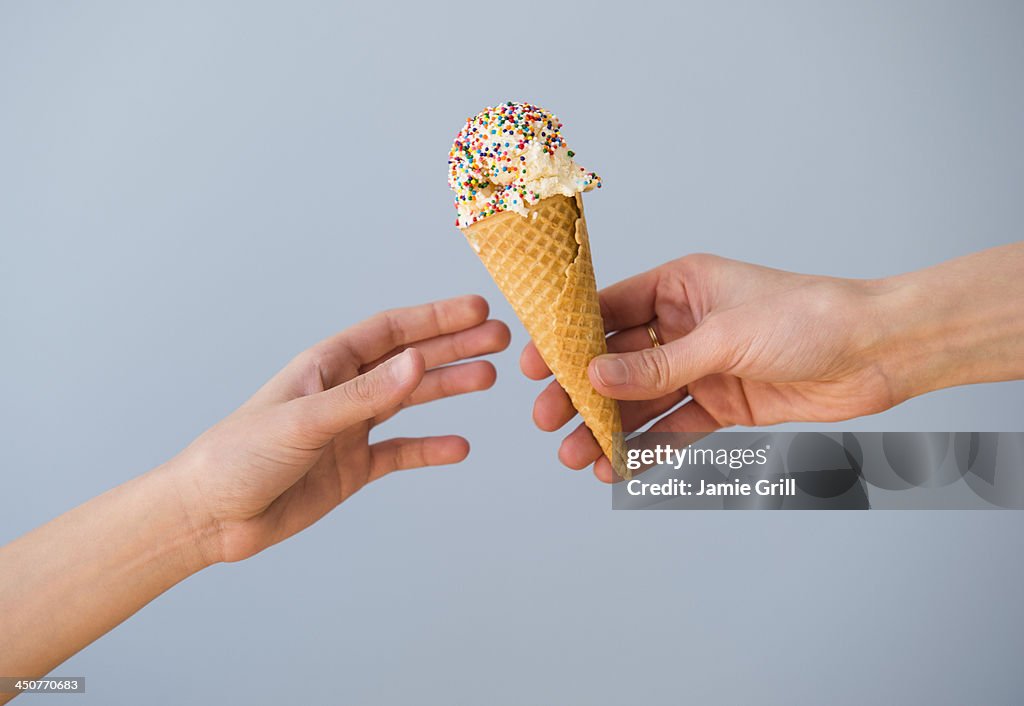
(446, 385)
(315, 362)
(417, 454)
(409, 455)
(696, 261)
(439, 316)
(310, 366)
(655, 369)
(394, 326)
(399, 459)
(381, 317)
(390, 322)
(305, 361)
(459, 348)
(364, 389)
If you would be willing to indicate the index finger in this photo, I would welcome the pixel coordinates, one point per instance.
(372, 338)
(630, 302)
(335, 359)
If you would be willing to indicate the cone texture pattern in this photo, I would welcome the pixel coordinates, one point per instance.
(542, 265)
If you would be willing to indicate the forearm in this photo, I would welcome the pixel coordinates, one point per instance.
(70, 581)
(957, 323)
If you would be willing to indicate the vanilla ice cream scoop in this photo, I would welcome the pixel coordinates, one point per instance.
(509, 158)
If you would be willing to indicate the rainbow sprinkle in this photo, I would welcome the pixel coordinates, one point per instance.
(503, 155)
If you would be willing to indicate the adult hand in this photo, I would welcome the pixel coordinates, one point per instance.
(754, 346)
(300, 445)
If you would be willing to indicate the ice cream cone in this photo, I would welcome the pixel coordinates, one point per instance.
(541, 263)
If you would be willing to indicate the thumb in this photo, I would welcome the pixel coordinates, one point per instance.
(654, 372)
(364, 396)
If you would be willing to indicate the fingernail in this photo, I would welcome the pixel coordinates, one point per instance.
(399, 368)
(611, 371)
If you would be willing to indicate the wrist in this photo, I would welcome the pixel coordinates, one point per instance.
(908, 351)
(197, 533)
(945, 326)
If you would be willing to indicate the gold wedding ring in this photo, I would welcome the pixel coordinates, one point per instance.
(654, 335)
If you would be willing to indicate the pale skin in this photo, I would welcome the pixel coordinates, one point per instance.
(288, 456)
(751, 345)
(748, 345)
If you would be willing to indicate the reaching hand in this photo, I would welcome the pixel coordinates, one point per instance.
(301, 445)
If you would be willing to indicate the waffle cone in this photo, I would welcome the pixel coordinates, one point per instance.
(542, 265)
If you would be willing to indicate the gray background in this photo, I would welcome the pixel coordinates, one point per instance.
(191, 192)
